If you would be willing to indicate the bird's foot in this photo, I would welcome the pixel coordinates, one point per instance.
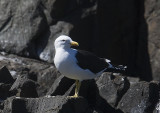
(78, 84)
(74, 96)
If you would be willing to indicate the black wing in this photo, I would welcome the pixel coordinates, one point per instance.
(87, 60)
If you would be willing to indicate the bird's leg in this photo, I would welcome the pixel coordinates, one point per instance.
(78, 84)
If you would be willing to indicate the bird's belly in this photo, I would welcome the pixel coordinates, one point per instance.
(73, 71)
(78, 74)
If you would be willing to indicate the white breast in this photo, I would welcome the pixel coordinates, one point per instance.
(65, 60)
(66, 63)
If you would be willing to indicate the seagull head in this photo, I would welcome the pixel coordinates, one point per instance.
(64, 42)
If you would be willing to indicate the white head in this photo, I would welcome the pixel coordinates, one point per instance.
(64, 42)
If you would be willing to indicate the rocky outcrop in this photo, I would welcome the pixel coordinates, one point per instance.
(4, 91)
(127, 32)
(28, 70)
(35, 86)
(152, 16)
(112, 88)
(21, 22)
(58, 104)
(127, 29)
(143, 96)
(24, 87)
(111, 92)
(5, 76)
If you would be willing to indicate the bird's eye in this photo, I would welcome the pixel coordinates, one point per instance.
(63, 40)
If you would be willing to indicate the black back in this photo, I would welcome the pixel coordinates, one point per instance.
(87, 60)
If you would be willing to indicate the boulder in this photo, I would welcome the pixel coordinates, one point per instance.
(60, 86)
(23, 22)
(133, 80)
(127, 29)
(141, 97)
(157, 107)
(112, 88)
(43, 23)
(5, 76)
(24, 87)
(90, 91)
(58, 104)
(78, 22)
(47, 6)
(152, 17)
(4, 91)
(42, 73)
(113, 93)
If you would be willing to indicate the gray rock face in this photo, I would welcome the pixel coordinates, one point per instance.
(127, 29)
(35, 82)
(42, 73)
(24, 87)
(140, 98)
(4, 91)
(21, 22)
(58, 104)
(112, 88)
(127, 32)
(112, 93)
(60, 86)
(152, 16)
(5, 76)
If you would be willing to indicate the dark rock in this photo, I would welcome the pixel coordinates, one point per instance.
(131, 28)
(71, 11)
(152, 16)
(85, 25)
(127, 32)
(4, 91)
(97, 111)
(90, 91)
(141, 97)
(39, 38)
(24, 87)
(124, 24)
(45, 78)
(133, 80)
(65, 86)
(47, 6)
(60, 86)
(5, 76)
(112, 88)
(157, 108)
(58, 104)
(77, 16)
(42, 73)
(23, 22)
(113, 93)
(1, 106)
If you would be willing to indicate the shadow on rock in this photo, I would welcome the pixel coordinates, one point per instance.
(89, 90)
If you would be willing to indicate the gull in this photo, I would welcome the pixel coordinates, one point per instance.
(79, 64)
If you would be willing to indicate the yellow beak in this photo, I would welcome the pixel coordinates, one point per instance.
(73, 43)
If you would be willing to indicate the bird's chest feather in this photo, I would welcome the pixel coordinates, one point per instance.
(64, 60)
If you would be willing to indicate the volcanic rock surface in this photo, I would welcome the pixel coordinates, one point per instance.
(36, 87)
(126, 32)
